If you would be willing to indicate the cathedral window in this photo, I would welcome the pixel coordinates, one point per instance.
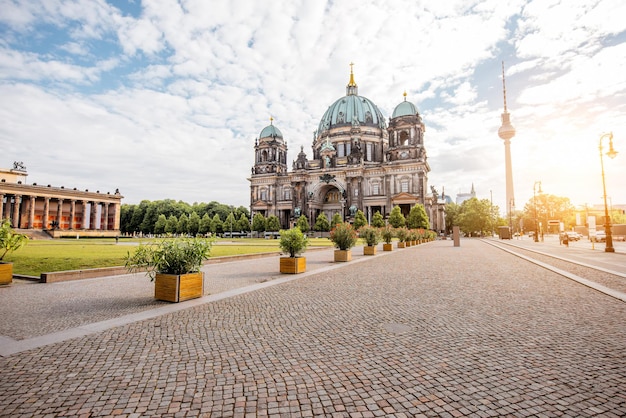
(333, 196)
(287, 194)
(264, 194)
(368, 152)
(348, 148)
(340, 150)
(404, 186)
(404, 138)
(375, 189)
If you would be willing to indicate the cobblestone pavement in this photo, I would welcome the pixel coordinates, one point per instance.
(432, 330)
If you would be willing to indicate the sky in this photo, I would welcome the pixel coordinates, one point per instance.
(163, 99)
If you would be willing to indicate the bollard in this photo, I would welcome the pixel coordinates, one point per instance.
(456, 236)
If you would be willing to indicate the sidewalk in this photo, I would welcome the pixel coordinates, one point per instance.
(432, 330)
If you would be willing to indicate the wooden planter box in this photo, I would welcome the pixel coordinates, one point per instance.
(173, 288)
(343, 255)
(407, 243)
(292, 265)
(369, 250)
(401, 245)
(388, 247)
(6, 273)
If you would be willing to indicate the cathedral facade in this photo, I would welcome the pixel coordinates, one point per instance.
(358, 162)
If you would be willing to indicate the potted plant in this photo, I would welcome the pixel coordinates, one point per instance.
(174, 265)
(387, 234)
(413, 236)
(371, 236)
(293, 242)
(402, 234)
(344, 238)
(9, 241)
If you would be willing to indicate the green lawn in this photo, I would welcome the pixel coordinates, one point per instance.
(40, 256)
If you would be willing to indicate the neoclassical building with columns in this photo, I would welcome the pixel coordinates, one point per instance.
(359, 162)
(58, 211)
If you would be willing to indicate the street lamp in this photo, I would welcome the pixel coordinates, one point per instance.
(535, 203)
(607, 220)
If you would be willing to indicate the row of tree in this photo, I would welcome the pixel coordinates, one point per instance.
(480, 218)
(171, 217)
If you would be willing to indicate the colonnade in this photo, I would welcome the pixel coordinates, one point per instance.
(28, 211)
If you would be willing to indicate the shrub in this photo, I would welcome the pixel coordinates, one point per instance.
(370, 235)
(387, 233)
(343, 236)
(9, 240)
(293, 242)
(170, 256)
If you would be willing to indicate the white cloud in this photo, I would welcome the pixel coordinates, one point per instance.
(167, 103)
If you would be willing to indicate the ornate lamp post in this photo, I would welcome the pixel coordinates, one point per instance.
(611, 153)
(535, 203)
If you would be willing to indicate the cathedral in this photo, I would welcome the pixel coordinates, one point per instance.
(359, 161)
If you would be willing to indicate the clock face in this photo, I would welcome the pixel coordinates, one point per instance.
(404, 155)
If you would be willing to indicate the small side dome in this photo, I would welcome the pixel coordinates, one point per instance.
(270, 131)
(404, 109)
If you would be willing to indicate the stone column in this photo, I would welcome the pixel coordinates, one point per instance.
(116, 219)
(46, 213)
(16, 211)
(85, 214)
(72, 213)
(1, 205)
(31, 214)
(105, 224)
(60, 213)
(92, 218)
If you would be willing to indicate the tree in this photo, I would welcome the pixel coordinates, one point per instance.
(321, 223)
(359, 220)
(159, 226)
(243, 224)
(273, 224)
(303, 224)
(377, 220)
(205, 224)
(336, 219)
(417, 218)
(194, 223)
(230, 224)
(259, 223)
(217, 224)
(183, 224)
(171, 226)
(476, 217)
(396, 218)
(549, 207)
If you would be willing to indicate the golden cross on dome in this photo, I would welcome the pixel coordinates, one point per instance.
(271, 120)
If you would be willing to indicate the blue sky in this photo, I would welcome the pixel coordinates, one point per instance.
(164, 99)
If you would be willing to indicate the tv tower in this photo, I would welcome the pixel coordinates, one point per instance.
(506, 132)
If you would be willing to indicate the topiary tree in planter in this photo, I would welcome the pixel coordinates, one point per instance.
(9, 241)
(387, 233)
(344, 237)
(371, 236)
(174, 265)
(294, 243)
(402, 234)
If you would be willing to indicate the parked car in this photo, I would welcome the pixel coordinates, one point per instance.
(600, 236)
(572, 236)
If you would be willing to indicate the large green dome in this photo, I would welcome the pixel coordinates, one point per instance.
(352, 110)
